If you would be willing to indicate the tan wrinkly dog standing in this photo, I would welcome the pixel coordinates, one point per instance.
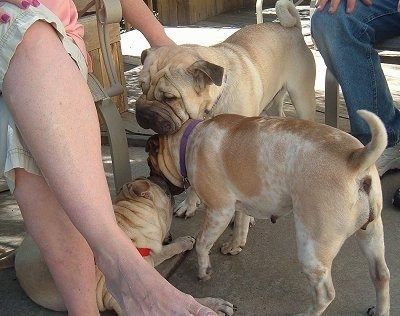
(143, 210)
(274, 166)
(250, 71)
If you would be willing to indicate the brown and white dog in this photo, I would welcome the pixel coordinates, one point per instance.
(248, 72)
(143, 210)
(273, 166)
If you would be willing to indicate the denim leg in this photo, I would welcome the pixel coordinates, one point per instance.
(345, 42)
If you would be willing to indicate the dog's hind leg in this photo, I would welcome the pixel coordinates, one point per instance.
(301, 87)
(215, 222)
(316, 251)
(372, 244)
(275, 107)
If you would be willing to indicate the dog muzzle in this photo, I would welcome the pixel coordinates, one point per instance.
(157, 116)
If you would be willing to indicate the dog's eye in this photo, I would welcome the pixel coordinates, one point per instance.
(169, 96)
(144, 86)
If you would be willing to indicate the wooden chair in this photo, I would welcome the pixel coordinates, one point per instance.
(332, 86)
(109, 12)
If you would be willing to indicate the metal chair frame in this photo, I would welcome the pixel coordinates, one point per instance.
(107, 12)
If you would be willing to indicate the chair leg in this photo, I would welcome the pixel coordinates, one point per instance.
(259, 14)
(331, 100)
(118, 142)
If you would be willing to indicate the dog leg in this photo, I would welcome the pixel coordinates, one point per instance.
(187, 208)
(179, 245)
(304, 103)
(220, 306)
(372, 244)
(215, 222)
(316, 254)
(302, 92)
(240, 230)
(275, 107)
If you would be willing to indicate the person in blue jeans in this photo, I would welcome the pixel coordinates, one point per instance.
(344, 33)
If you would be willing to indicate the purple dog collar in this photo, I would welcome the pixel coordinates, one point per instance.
(182, 148)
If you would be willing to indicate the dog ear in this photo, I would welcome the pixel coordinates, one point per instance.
(153, 144)
(206, 73)
(146, 52)
(142, 188)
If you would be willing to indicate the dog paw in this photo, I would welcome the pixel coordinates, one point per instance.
(185, 210)
(371, 311)
(205, 275)
(228, 248)
(252, 222)
(220, 306)
(204, 278)
(186, 242)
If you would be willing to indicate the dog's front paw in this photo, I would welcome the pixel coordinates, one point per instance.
(205, 274)
(187, 208)
(185, 242)
(220, 306)
(184, 209)
(252, 222)
(229, 248)
(371, 311)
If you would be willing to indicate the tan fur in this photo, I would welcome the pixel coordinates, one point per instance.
(249, 72)
(273, 166)
(144, 212)
(244, 74)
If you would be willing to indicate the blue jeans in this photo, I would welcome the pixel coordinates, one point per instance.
(345, 42)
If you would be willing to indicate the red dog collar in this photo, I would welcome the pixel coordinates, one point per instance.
(145, 252)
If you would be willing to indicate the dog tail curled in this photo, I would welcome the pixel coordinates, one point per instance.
(365, 157)
(287, 13)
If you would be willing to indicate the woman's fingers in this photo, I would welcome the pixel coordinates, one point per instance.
(23, 4)
(4, 16)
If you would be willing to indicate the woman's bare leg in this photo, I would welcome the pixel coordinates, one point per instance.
(65, 251)
(55, 114)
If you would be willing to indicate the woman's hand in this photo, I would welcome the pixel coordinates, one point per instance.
(23, 4)
(351, 4)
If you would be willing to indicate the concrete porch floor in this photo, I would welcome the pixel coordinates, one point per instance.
(265, 279)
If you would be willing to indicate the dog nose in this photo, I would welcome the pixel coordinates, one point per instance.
(156, 119)
(151, 120)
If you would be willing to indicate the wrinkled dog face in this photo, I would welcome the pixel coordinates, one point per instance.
(153, 149)
(155, 190)
(176, 85)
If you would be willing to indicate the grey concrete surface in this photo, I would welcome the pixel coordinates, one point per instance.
(265, 279)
